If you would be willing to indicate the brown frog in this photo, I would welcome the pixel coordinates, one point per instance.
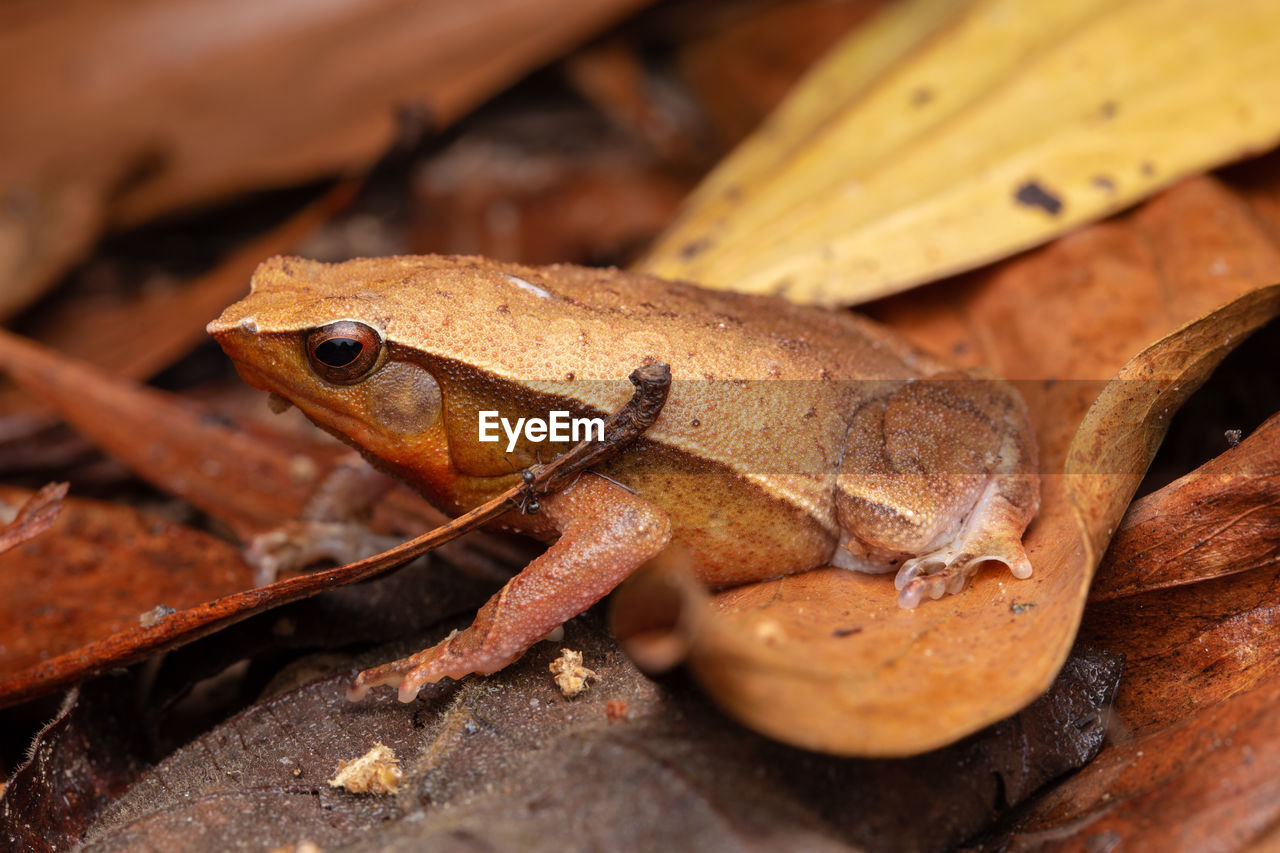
(792, 438)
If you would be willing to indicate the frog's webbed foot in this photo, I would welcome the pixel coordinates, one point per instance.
(992, 533)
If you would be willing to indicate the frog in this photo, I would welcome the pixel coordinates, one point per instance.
(793, 437)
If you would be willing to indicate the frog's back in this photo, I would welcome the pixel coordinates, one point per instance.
(563, 321)
(762, 388)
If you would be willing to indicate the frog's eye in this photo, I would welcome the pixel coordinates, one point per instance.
(345, 351)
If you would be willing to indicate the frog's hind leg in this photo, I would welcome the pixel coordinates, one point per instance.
(606, 532)
(938, 478)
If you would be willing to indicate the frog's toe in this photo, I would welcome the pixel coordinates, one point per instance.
(948, 569)
(934, 574)
(452, 657)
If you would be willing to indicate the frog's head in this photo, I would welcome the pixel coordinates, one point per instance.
(322, 345)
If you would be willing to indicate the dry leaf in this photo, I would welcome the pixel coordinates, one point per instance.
(508, 764)
(96, 571)
(116, 117)
(31, 517)
(826, 660)
(944, 135)
(1192, 759)
(1220, 519)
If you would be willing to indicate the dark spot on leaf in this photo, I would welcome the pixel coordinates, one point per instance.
(1108, 109)
(1104, 182)
(1148, 169)
(845, 632)
(1033, 194)
(692, 250)
(1021, 607)
(921, 96)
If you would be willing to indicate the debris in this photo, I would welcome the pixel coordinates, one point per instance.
(376, 772)
(571, 675)
(153, 617)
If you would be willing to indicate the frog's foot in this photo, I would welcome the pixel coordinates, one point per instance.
(992, 533)
(298, 544)
(453, 657)
(946, 569)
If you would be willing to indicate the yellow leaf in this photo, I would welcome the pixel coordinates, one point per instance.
(947, 135)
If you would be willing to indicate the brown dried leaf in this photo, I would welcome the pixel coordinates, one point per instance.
(826, 660)
(1125, 797)
(1195, 753)
(33, 517)
(510, 764)
(98, 569)
(139, 336)
(142, 126)
(1220, 519)
(247, 481)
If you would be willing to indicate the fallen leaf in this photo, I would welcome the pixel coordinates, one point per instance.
(96, 571)
(1220, 519)
(1194, 757)
(141, 127)
(245, 480)
(826, 659)
(32, 517)
(88, 754)
(139, 336)
(945, 135)
(508, 764)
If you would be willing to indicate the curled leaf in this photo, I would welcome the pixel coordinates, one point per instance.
(1220, 519)
(1194, 753)
(826, 659)
(946, 135)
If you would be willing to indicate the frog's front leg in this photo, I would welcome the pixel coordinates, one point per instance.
(937, 479)
(606, 532)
